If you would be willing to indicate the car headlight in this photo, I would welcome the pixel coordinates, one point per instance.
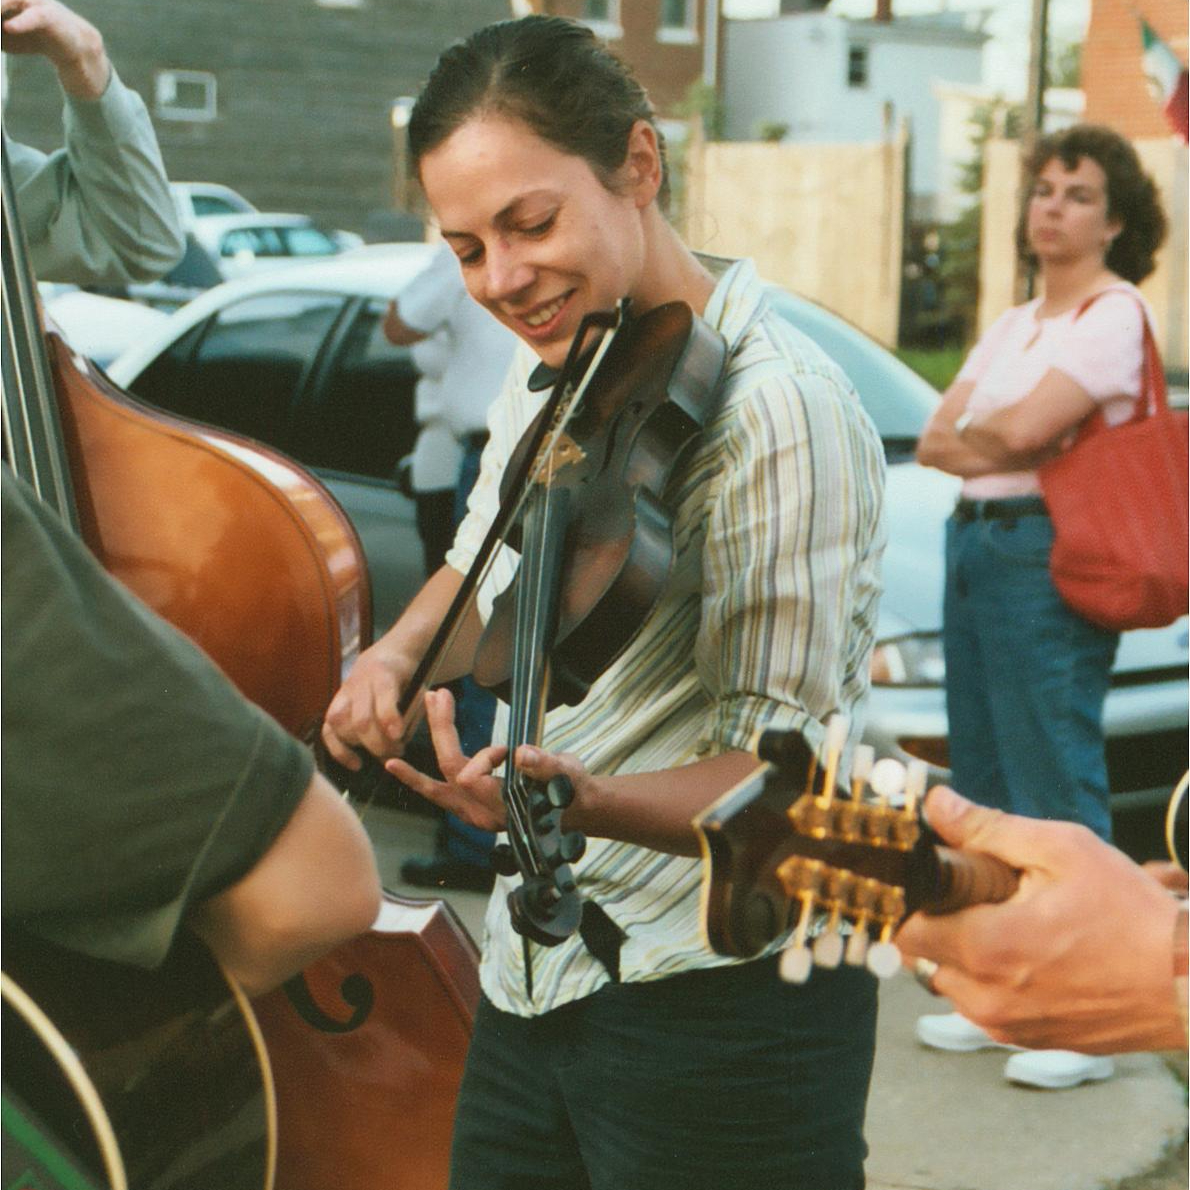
(909, 661)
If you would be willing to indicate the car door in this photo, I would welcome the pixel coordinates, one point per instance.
(303, 373)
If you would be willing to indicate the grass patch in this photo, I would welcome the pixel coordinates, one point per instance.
(938, 366)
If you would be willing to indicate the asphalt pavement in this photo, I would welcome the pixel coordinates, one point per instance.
(950, 1121)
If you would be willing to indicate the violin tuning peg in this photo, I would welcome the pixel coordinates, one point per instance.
(560, 791)
(572, 846)
(503, 860)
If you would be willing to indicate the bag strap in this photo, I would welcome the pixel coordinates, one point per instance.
(1153, 398)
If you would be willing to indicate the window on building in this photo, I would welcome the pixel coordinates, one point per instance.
(603, 16)
(185, 95)
(679, 21)
(857, 66)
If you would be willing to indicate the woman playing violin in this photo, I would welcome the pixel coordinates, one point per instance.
(668, 1065)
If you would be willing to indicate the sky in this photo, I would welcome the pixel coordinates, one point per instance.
(1006, 55)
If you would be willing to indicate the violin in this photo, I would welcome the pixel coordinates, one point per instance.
(251, 557)
(584, 504)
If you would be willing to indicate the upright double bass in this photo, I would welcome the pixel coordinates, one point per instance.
(253, 559)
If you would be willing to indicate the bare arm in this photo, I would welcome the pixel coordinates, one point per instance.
(1016, 438)
(941, 445)
(73, 46)
(1080, 957)
(315, 887)
(364, 711)
(649, 809)
(1034, 426)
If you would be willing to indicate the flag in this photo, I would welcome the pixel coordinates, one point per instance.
(1167, 79)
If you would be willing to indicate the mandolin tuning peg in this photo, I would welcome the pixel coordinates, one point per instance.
(887, 779)
(884, 959)
(828, 950)
(857, 949)
(916, 777)
(862, 760)
(796, 964)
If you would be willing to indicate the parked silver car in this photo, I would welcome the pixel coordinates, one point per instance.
(296, 359)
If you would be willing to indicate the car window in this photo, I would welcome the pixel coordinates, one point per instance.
(361, 416)
(259, 241)
(210, 204)
(244, 371)
(308, 241)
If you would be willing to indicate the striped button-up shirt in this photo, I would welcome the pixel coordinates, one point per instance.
(767, 623)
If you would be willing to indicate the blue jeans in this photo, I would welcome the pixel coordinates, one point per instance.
(476, 709)
(1026, 677)
(726, 1079)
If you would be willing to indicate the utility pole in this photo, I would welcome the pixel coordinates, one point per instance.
(1034, 120)
(1038, 64)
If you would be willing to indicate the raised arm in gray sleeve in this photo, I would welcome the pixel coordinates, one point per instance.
(99, 211)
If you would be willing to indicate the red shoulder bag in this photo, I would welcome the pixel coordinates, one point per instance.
(1118, 499)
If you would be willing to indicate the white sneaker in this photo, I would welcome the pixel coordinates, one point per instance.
(954, 1032)
(1053, 1070)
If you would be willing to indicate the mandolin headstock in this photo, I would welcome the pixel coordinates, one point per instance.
(792, 843)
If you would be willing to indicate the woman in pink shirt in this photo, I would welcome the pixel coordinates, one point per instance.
(1026, 675)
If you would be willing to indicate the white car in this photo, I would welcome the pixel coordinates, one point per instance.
(296, 358)
(196, 199)
(246, 243)
(96, 326)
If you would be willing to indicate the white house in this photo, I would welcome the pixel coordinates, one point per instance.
(832, 79)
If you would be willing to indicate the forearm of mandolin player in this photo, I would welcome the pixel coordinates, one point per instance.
(656, 809)
(315, 887)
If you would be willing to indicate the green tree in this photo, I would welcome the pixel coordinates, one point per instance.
(960, 240)
(1066, 65)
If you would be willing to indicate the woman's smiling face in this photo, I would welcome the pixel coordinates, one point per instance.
(541, 240)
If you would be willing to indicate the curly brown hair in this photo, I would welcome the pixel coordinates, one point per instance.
(1131, 195)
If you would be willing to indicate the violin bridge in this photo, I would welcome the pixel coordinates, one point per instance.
(557, 453)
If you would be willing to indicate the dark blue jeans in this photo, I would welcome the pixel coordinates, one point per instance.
(727, 1079)
(476, 709)
(1026, 677)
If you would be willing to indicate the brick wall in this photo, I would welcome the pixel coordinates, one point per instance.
(665, 69)
(1112, 75)
(303, 91)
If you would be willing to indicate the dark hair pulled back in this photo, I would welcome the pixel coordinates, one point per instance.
(1131, 195)
(550, 73)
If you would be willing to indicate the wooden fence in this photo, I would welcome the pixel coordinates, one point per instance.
(824, 221)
